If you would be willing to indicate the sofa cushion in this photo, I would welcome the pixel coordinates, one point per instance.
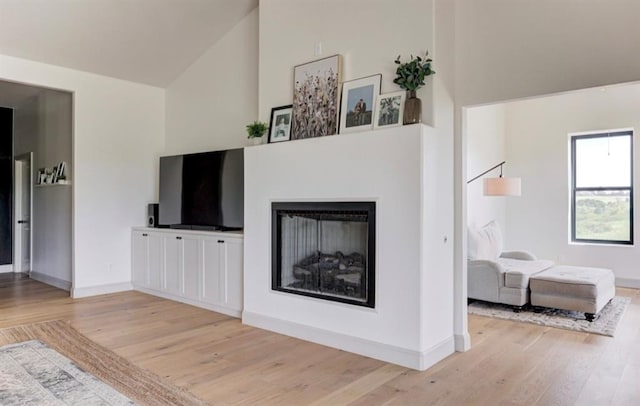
(485, 242)
(518, 272)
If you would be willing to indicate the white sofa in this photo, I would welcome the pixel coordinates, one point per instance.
(494, 275)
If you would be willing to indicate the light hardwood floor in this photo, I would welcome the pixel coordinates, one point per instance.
(222, 361)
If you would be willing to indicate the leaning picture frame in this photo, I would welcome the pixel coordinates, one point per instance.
(41, 176)
(316, 98)
(280, 124)
(389, 110)
(358, 98)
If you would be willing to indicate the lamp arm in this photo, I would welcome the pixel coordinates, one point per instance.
(487, 171)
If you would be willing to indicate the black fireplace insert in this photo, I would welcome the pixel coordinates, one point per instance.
(325, 250)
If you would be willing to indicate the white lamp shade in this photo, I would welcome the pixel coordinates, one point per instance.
(501, 187)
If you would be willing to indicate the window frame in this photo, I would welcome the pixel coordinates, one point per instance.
(575, 190)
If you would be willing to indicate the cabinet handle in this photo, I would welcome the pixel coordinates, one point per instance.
(178, 238)
(220, 241)
(145, 234)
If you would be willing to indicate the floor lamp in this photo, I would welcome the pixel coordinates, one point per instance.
(499, 186)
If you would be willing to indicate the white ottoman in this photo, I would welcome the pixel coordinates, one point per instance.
(576, 288)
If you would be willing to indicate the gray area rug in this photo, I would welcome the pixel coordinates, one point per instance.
(33, 374)
(605, 323)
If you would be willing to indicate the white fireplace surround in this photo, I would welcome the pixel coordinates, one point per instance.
(408, 172)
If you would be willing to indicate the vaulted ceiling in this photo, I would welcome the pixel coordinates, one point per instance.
(145, 41)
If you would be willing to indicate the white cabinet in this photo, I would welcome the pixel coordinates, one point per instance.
(156, 259)
(190, 266)
(232, 270)
(211, 276)
(140, 258)
(147, 259)
(222, 272)
(200, 268)
(172, 254)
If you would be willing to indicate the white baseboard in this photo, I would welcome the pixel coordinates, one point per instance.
(419, 360)
(628, 283)
(463, 342)
(6, 268)
(196, 303)
(77, 293)
(50, 280)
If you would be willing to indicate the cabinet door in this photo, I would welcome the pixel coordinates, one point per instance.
(154, 241)
(190, 265)
(211, 283)
(172, 259)
(140, 258)
(232, 270)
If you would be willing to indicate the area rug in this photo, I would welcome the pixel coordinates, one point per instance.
(605, 323)
(73, 370)
(33, 374)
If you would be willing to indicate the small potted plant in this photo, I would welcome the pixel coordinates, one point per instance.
(256, 130)
(410, 76)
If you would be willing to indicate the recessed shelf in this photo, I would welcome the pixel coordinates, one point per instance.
(52, 184)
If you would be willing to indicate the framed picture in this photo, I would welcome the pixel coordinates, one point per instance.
(389, 109)
(316, 98)
(358, 97)
(280, 124)
(41, 176)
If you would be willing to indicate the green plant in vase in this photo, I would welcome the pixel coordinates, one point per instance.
(410, 76)
(256, 130)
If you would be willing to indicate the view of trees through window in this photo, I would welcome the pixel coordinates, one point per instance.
(602, 187)
(603, 216)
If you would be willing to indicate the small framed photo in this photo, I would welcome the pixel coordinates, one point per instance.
(389, 110)
(41, 176)
(358, 97)
(280, 124)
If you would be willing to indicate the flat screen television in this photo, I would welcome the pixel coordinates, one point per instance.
(203, 191)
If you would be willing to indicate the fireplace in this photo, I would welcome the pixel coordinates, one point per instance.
(325, 250)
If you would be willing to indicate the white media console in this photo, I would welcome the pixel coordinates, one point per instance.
(200, 268)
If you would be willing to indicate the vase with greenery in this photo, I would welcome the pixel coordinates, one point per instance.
(256, 130)
(410, 76)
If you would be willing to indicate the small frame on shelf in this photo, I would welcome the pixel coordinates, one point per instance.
(41, 176)
(280, 124)
(358, 97)
(389, 110)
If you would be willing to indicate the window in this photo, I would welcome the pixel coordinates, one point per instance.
(602, 188)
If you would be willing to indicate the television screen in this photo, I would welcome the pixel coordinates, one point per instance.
(203, 191)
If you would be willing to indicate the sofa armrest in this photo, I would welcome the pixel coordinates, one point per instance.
(485, 279)
(521, 255)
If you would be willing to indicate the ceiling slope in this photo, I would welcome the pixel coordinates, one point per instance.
(145, 41)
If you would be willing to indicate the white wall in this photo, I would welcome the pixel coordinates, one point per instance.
(401, 169)
(118, 132)
(43, 125)
(209, 105)
(538, 150)
(369, 34)
(485, 148)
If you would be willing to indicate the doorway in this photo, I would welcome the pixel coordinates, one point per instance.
(23, 207)
(42, 139)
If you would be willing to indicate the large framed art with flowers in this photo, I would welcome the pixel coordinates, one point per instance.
(316, 98)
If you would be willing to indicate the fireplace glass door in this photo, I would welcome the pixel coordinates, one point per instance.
(325, 250)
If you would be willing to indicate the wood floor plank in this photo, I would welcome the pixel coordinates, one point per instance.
(355, 390)
(225, 362)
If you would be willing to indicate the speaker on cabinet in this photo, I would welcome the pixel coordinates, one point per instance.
(152, 215)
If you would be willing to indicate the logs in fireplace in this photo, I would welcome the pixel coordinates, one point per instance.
(325, 250)
(337, 273)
